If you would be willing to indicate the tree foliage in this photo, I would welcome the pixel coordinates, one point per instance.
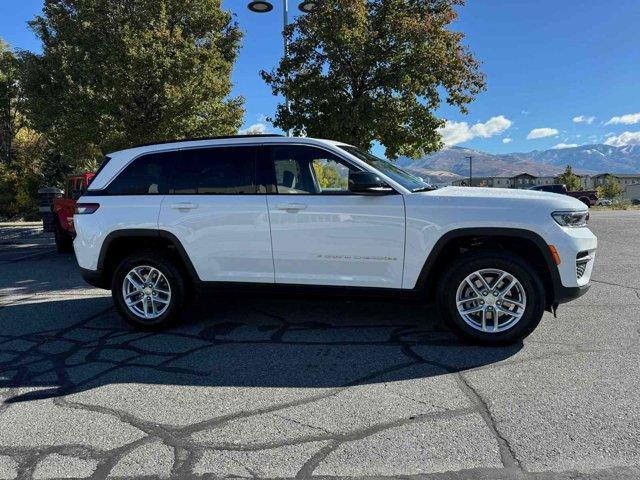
(118, 72)
(570, 179)
(328, 175)
(366, 70)
(9, 96)
(610, 189)
(20, 147)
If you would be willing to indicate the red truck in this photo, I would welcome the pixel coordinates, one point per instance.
(588, 197)
(64, 208)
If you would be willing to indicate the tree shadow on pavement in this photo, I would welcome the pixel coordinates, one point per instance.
(55, 348)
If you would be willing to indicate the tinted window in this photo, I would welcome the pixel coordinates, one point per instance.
(308, 170)
(551, 188)
(224, 170)
(147, 175)
(404, 178)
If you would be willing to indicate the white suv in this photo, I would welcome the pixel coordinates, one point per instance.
(159, 221)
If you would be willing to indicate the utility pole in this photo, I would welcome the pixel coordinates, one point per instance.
(470, 170)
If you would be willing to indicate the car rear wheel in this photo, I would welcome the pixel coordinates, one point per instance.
(585, 200)
(491, 297)
(148, 290)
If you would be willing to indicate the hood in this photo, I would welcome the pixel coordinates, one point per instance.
(554, 200)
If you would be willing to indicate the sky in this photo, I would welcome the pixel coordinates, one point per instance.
(559, 72)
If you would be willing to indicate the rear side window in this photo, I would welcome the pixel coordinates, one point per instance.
(215, 171)
(146, 175)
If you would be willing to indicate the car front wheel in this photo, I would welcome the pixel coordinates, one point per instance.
(148, 291)
(491, 297)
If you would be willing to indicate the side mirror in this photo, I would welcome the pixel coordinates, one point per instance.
(368, 183)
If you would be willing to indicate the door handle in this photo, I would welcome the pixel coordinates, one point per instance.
(291, 207)
(183, 206)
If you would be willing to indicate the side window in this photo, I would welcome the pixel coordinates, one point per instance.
(309, 170)
(222, 170)
(147, 175)
(331, 176)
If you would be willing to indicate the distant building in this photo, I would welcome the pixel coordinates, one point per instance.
(522, 180)
(624, 178)
(526, 180)
(631, 192)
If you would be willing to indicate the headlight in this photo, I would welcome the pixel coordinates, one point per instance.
(571, 219)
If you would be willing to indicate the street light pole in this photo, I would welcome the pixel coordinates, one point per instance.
(265, 6)
(285, 21)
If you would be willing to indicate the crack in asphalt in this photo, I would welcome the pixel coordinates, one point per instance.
(616, 285)
(507, 455)
(186, 450)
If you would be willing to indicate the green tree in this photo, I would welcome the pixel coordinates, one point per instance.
(365, 70)
(118, 72)
(328, 175)
(610, 189)
(8, 101)
(21, 148)
(570, 179)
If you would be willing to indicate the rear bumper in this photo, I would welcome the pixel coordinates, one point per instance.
(94, 278)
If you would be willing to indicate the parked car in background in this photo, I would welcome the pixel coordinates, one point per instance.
(64, 209)
(604, 202)
(301, 214)
(635, 201)
(588, 197)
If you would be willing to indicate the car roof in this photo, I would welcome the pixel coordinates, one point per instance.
(213, 141)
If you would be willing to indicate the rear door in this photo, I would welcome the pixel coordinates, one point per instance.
(217, 210)
(323, 234)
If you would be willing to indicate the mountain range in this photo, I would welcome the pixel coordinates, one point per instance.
(453, 162)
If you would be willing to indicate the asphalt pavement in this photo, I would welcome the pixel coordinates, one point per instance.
(289, 387)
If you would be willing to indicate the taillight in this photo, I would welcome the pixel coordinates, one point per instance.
(86, 208)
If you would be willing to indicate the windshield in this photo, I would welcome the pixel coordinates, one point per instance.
(404, 178)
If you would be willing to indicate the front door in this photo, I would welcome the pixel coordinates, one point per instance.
(219, 213)
(324, 235)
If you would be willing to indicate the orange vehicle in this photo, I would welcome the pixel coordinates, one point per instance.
(64, 208)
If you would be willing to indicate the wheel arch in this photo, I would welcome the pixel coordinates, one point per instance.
(120, 243)
(527, 244)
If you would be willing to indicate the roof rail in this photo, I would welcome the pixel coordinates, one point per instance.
(205, 138)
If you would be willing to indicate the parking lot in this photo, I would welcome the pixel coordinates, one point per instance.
(289, 387)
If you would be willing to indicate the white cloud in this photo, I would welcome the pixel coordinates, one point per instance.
(458, 132)
(583, 119)
(255, 129)
(541, 133)
(628, 119)
(506, 140)
(626, 138)
(560, 146)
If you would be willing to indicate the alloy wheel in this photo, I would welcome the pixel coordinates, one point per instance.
(491, 300)
(146, 292)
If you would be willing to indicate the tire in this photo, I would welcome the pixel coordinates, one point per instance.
(64, 243)
(529, 292)
(586, 201)
(148, 261)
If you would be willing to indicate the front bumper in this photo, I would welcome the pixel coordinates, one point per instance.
(566, 294)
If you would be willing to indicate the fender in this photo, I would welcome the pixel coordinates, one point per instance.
(151, 234)
(559, 291)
